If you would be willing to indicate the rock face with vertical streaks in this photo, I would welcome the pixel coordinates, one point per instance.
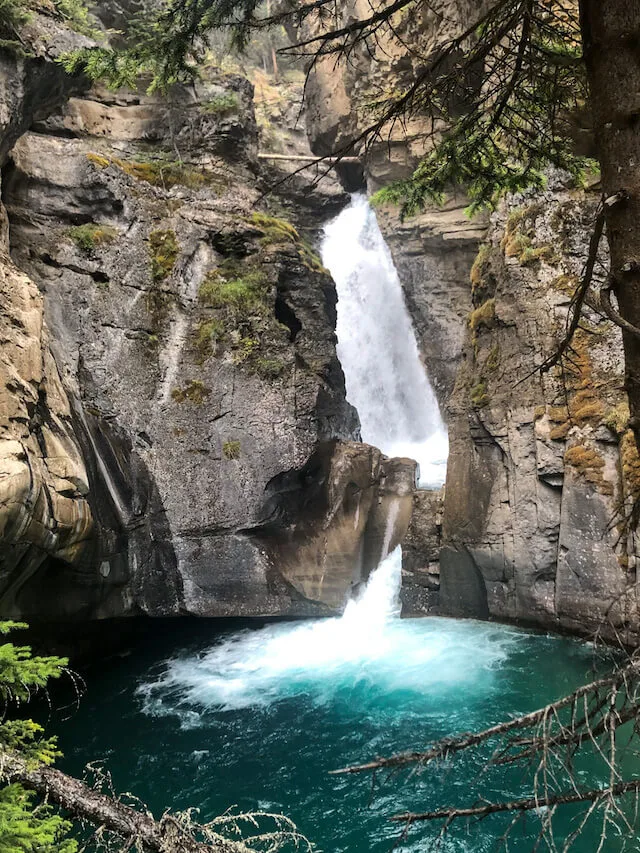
(175, 436)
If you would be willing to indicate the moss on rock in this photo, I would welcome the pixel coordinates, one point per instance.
(164, 251)
(90, 236)
(194, 391)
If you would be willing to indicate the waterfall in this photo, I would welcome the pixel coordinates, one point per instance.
(385, 378)
(399, 413)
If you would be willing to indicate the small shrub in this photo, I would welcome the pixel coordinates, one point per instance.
(269, 368)
(194, 391)
(91, 236)
(222, 105)
(245, 348)
(208, 333)
(164, 251)
(78, 17)
(231, 449)
(14, 14)
(234, 286)
(479, 394)
(274, 230)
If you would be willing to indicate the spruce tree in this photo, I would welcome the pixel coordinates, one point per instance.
(27, 826)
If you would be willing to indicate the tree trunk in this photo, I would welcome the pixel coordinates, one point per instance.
(83, 803)
(611, 41)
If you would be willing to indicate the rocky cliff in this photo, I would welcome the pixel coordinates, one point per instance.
(536, 524)
(175, 436)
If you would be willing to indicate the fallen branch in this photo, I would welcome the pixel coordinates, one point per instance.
(82, 802)
(449, 746)
(526, 805)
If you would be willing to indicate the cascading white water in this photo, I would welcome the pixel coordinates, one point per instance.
(385, 378)
(399, 414)
(320, 659)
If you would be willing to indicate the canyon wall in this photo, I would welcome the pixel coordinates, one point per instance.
(537, 522)
(175, 437)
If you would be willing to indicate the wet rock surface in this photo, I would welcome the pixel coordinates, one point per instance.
(168, 358)
(542, 472)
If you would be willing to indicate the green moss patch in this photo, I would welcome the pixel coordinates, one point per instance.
(231, 449)
(519, 240)
(194, 391)
(239, 298)
(90, 236)
(277, 232)
(158, 172)
(222, 105)
(163, 251)
(480, 394)
(484, 316)
(236, 287)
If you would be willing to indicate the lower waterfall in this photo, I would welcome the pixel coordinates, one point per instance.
(323, 658)
(384, 375)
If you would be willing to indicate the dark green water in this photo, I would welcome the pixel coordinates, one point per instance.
(257, 718)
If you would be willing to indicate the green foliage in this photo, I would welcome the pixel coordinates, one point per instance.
(27, 827)
(269, 368)
(231, 449)
(244, 349)
(208, 334)
(493, 135)
(194, 391)
(278, 232)
(503, 141)
(77, 16)
(14, 14)
(163, 251)
(222, 105)
(238, 288)
(91, 236)
(166, 44)
(240, 294)
(479, 394)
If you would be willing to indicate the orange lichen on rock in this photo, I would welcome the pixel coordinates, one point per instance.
(590, 464)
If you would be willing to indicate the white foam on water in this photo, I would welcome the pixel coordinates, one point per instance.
(384, 374)
(368, 644)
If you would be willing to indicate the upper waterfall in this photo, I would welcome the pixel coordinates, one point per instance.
(385, 378)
